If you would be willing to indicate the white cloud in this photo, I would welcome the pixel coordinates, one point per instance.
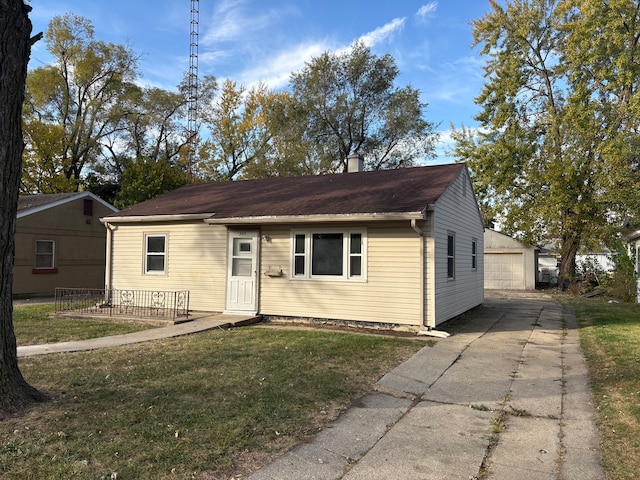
(427, 11)
(380, 34)
(231, 22)
(276, 70)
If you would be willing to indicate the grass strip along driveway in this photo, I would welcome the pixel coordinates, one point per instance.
(210, 405)
(610, 340)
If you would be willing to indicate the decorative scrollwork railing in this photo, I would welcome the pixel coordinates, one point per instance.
(130, 303)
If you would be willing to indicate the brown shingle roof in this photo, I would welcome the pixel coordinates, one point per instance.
(27, 202)
(407, 190)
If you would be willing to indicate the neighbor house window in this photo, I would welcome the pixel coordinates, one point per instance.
(156, 253)
(451, 255)
(45, 250)
(474, 254)
(329, 254)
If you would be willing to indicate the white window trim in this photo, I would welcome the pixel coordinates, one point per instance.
(453, 276)
(53, 255)
(474, 255)
(346, 255)
(145, 247)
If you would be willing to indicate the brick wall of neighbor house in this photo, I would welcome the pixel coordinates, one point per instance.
(79, 257)
(456, 212)
(391, 293)
(196, 261)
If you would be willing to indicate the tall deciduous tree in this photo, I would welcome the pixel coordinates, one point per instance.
(238, 133)
(79, 92)
(351, 104)
(15, 48)
(550, 120)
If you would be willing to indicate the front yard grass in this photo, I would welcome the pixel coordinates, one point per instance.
(610, 339)
(208, 406)
(33, 326)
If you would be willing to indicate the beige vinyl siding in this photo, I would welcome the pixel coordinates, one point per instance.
(196, 260)
(456, 211)
(79, 255)
(391, 293)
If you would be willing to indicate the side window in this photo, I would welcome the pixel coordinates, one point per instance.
(155, 254)
(474, 254)
(355, 255)
(299, 254)
(451, 255)
(45, 250)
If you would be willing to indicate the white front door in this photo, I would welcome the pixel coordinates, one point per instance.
(242, 272)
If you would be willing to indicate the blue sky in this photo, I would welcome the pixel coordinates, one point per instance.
(253, 41)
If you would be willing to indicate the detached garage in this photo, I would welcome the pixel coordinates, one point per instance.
(508, 263)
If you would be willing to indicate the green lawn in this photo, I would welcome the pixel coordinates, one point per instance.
(33, 326)
(610, 339)
(211, 405)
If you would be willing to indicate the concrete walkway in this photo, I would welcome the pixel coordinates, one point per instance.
(201, 324)
(505, 397)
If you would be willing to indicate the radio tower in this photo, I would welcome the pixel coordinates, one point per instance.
(192, 100)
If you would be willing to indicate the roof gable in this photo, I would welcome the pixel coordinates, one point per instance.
(401, 191)
(30, 204)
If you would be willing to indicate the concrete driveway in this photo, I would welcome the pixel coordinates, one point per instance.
(505, 397)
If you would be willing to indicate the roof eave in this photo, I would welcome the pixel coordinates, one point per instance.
(156, 218)
(40, 208)
(635, 235)
(323, 218)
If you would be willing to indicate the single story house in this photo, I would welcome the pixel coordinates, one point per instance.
(508, 263)
(633, 239)
(60, 242)
(399, 247)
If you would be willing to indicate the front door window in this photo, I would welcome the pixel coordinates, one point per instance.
(242, 258)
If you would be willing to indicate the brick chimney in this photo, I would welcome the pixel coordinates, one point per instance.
(355, 163)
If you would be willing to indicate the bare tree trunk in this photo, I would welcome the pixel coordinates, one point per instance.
(15, 48)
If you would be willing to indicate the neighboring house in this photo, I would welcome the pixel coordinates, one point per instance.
(508, 263)
(393, 247)
(60, 242)
(633, 239)
(595, 262)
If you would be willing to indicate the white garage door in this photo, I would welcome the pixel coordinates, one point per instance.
(504, 271)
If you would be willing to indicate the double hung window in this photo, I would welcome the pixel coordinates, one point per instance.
(329, 254)
(451, 256)
(156, 253)
(45, 250)
(474, 254)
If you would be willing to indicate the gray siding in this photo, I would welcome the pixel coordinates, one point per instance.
(456, 211)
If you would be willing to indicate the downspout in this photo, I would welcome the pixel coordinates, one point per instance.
(108, 261)
(428, 328)
(418, 230)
